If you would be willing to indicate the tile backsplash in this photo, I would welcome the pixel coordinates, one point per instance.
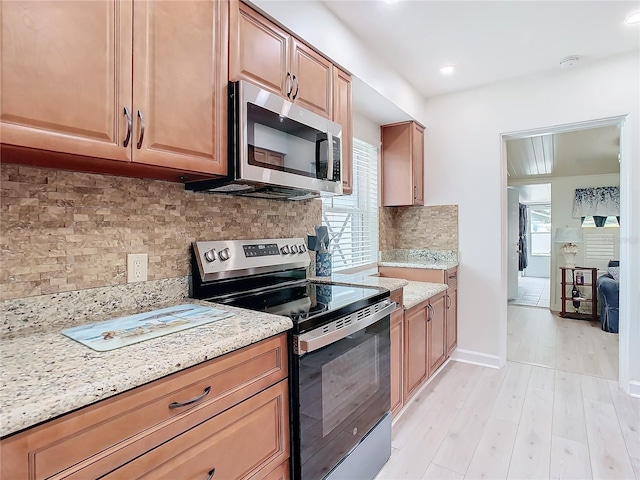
(63, 231)
(427, 228)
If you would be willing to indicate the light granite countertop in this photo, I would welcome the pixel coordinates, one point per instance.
(390, 284)
(431, 264)
(45, 374)
(417, 292)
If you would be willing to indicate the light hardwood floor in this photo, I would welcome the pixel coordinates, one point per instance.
(525, 420)
(538, 337)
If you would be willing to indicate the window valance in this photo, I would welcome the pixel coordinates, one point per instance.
(596, 202)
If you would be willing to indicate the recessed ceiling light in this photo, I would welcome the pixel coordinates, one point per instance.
(633, 18)
(448, 69)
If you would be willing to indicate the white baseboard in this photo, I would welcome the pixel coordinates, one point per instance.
(476, 358)
(634, 389)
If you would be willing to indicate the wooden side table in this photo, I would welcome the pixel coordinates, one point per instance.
(565, 296)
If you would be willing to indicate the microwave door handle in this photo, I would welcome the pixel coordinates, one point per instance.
(329, 156)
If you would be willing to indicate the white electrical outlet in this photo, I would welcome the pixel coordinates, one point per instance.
(137, 264)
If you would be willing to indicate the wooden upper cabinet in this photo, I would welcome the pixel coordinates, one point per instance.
(143, 82)
(402, 164)
(312, 76)
(258, 50)
(417, 159)
(66, 76)
(264, 54)
(180, 84)
(342, 114)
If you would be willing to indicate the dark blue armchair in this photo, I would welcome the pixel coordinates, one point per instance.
(609, 293)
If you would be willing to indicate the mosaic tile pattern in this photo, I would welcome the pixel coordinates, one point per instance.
(419, 228)
(63, 230)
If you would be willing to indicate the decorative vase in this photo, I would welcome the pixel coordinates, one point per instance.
(323, 264)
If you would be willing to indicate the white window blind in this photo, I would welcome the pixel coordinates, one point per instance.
(352, 220)
(599, 246)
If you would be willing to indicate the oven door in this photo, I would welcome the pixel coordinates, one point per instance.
(339, 393)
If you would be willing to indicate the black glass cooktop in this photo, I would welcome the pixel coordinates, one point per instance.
(309, 304)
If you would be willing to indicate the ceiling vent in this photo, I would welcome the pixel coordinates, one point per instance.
(569, 61)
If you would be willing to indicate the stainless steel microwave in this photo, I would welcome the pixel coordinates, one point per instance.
(277, 149)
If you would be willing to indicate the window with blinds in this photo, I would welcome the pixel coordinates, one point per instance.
(352, 220)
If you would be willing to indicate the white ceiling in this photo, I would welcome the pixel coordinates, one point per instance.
(488, 41)
(534, 193)
(591, 151)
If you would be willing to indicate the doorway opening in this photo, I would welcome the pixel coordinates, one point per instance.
(538, 158)
(530, 282)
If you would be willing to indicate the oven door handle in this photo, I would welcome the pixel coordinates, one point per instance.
(310, 341)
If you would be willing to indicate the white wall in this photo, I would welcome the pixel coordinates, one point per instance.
(464, 166)
(366, 129)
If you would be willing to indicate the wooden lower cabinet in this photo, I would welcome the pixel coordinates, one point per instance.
(245, 441)
(281, 472)
(452, 320)
(397, 348)
(436, 331)
(123, 430)
(415, 349)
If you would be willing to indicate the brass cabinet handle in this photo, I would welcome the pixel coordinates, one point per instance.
(212, 472)
(129, 127)
(295, 79)
(193, 400)
(290, 83)
(141, 117)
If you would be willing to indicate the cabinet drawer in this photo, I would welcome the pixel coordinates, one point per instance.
(95, 439)
(246, 441)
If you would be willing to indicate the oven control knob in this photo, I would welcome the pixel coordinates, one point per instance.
(285, 249)
(224, 255)
(294, 249)
(302, 248)
(210, 255)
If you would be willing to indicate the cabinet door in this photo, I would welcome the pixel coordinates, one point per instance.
(452, 320)
(437, 333)
(415, 349)
(66, 76)
(180, 84)
(313, 79)
(397, 341)
(396, 165)
(248, 439)
(342, 114)
(417, 153)
(258, 50)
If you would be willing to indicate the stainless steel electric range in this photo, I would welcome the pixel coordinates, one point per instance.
(339, 351)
